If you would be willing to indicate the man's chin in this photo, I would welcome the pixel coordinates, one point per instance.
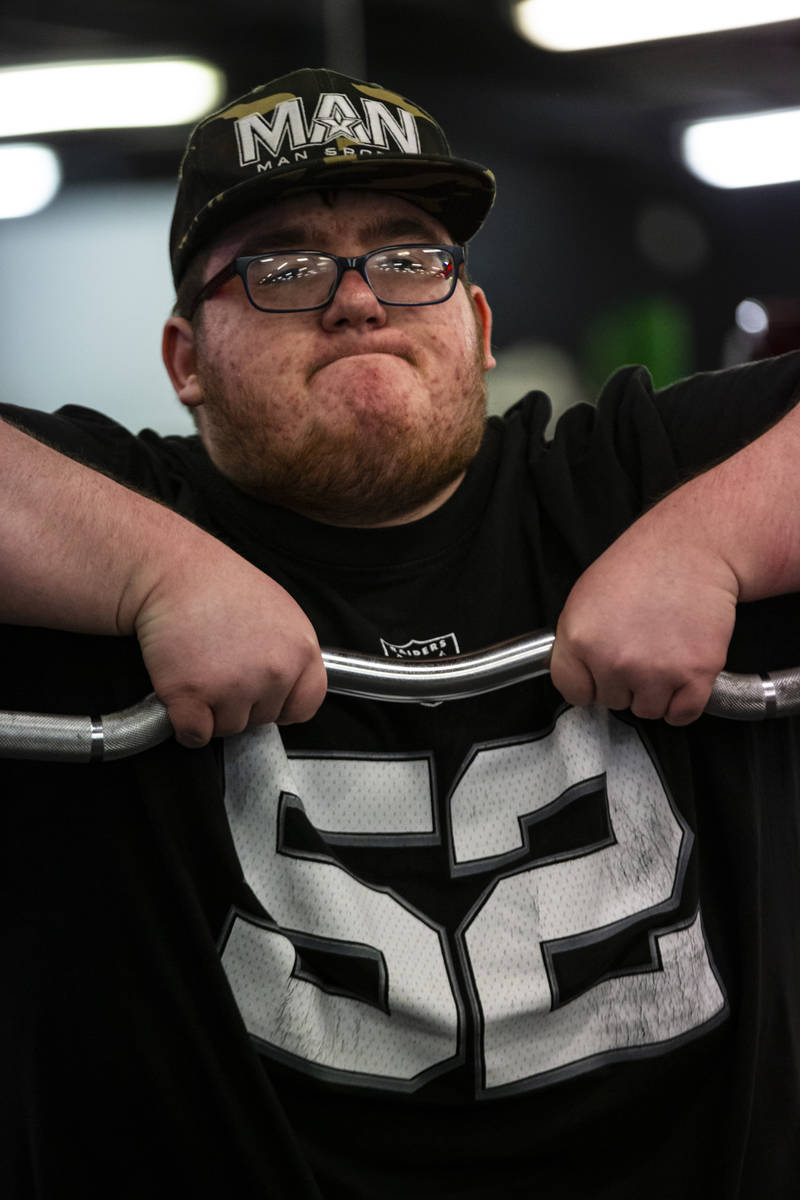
(368, 384)
(365, 481)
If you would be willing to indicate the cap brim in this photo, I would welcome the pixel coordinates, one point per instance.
(457, 192)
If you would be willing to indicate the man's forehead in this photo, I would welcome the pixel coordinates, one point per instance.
(324, 217)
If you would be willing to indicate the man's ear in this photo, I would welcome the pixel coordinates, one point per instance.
(484, 314)
(178, 353)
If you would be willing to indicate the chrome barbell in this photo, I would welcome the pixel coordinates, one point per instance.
(58, 738)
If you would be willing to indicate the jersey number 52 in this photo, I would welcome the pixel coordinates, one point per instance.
(350, 981)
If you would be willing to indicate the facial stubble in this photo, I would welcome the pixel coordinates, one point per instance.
(373, 468)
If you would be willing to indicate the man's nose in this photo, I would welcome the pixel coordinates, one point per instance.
(354, 302)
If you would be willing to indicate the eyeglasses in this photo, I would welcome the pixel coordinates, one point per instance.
(302, 280)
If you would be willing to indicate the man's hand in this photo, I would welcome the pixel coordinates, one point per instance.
(647, 625)
(225, 646)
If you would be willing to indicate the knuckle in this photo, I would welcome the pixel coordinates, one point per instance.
(686, 705)
(231, 723)
(648, 709)
(192, 723)
(580, 693)
(682, 716)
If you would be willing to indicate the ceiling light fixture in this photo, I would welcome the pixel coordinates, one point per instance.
(586, 24)
(30, 176)
(126, 93)
(744, 151)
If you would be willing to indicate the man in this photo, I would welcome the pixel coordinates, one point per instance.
(526, 944)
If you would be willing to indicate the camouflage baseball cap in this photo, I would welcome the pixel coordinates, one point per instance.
(313, 129)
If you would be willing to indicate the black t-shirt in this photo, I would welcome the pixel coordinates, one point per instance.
(492, 947)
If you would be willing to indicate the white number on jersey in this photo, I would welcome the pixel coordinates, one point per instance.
(405, 1021)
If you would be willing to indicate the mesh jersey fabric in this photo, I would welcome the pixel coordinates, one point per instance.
(492, 946)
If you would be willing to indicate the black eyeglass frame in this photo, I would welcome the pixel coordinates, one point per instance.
(238, 266)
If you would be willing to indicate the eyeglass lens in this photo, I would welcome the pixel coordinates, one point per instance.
(399, 275)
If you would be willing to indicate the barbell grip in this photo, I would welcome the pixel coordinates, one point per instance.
(116, 735)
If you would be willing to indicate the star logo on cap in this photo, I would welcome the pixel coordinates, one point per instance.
(341, 127)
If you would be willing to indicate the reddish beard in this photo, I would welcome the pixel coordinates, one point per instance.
(378, 468)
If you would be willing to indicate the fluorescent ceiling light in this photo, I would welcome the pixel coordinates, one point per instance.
(106, 95)
(744, 151)
(30, 176)
(583, 24)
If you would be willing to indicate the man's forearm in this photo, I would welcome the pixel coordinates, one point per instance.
(747, 510)
(224, 645)
(73, 542)
(647, 626)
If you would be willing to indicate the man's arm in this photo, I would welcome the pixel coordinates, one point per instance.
(224, 645)
(647, 626)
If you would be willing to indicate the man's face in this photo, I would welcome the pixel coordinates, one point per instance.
(357, 414)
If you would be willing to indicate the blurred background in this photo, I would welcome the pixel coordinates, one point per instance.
(604, 246)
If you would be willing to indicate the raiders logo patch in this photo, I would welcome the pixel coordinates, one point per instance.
(444, 646)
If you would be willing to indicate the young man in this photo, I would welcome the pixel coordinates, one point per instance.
(532, 943)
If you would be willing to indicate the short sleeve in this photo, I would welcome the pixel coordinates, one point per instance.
(138, 461)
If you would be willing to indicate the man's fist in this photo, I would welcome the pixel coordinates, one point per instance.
(647, 625)
(225, 646)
